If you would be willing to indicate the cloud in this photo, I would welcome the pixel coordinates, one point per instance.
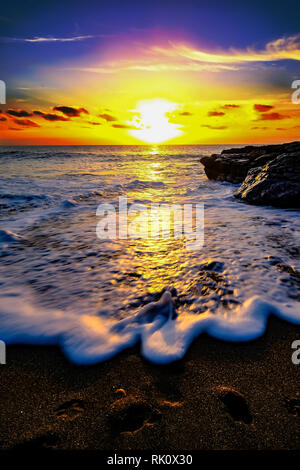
(185, 113)
(47, 39)
(279, 49)
(144, 66)
(230, 106)
(215, 113)
(188, 67)
(70, 111)
(187, 58)
(25, 123)
(50, 116)
(94, 123)
(214, 127)
(261, 108)
(272, 117)
(18, 113)
(259, 128)
(3, 119)
(108, 117)
(125, 126)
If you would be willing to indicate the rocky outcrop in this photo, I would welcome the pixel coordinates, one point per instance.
(270, 174)
(232, 165)
(276, 184)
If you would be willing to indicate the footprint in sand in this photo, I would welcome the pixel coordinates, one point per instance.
(70, 409)
(131, 415)
(235, 404)
(48, 440)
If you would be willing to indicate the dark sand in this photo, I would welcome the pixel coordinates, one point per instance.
(47, 402)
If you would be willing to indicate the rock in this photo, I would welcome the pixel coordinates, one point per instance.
(270, 174)
(232, 165)
(276, 184)
(216, 266)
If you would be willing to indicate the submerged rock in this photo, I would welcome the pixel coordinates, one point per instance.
(276, 184)
(270, 174)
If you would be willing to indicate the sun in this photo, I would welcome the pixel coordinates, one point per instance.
(151, 121)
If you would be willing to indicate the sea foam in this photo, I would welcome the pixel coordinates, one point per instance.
(88, 339)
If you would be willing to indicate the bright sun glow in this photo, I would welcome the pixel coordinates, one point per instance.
(152, 121)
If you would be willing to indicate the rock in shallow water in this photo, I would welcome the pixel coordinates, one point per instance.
(276, 184)
(270, 174)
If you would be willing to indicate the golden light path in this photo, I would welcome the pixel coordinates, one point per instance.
(152, 121)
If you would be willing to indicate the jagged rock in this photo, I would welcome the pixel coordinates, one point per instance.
(270, 174)
(276, 184)
(232, 165)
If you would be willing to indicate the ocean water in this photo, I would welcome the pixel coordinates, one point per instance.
(61, 284)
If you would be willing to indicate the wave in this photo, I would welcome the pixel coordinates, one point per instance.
(139, 185)
(88, 339)
(9, 237)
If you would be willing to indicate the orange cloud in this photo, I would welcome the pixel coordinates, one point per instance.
(50, 116)
(272, 117)
(230, 106)
(261, 108)
(215, 113)
(218, 128)
(25, 123)
(108, 117)
(124, 126)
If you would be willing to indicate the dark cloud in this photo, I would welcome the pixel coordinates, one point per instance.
(215, 113)
(25, 123)
(259, 128)
(108, 117)
(50, 116)
(218, 128)
(95, 123)
(261, 108)
(272, 117)
(185, 113)
(3, 119)
(70, 111)
(18, 113)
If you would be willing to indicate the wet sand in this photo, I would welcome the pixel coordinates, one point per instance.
(221, 396)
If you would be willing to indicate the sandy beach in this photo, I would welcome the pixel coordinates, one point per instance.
(221, 396)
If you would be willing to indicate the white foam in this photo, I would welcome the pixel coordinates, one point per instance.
(88, 339)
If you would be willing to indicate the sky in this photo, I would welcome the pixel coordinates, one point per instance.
(151, 72)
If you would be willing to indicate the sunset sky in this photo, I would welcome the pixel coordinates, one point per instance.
(128, 72)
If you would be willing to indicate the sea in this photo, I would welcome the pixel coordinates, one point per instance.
(60, 283)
